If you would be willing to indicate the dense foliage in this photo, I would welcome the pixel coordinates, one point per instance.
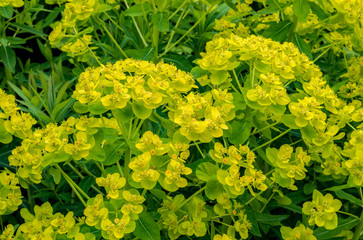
(181, 119)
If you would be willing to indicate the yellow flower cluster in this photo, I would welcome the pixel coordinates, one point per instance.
(43, 224)
(10, 195)
(203, 116)
(113, 226)
(14, 3)
(12, 121)
(354, 151)
(322, 210)
(354, 87)
(52, 145)
(188, 220)
(289, 165)
(153, 161)
(230, 178)
(140, 84)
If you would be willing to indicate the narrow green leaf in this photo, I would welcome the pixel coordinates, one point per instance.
(7, 55)
(231, 4)
(316, 9)
(29, 29)
(343, 224)
(179, 61)
(301, 9)
(146, 228)
(52, 16)
(161, 21)
(279, 31)
(344, 195)
(302, 45)
(7, 12)
(137, 10)
(270, 219)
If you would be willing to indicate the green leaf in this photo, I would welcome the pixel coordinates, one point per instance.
(213, 189)
(80, 108)
(29, 29)
(270, 219)
(161, 21)
(349, 197)
(7, 55)
(308, 132)
(343, 224)
(140, 111)
(114, 152)
(302, 45)
(301, 9)
(206, 171)
(144, 54)
(159, 194)
(7, 12)
(123, 115)
(255, 229)
(289, 121)
(218, 77)
(52, 16)
(97, 108)
(279, 31)
(316, 9)
(180, 62)
(231, 4)
(146, 228)
(56, 174)
(240, 132)
(137, 10)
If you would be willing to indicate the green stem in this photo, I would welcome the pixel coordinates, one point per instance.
(200, 151)
(348, 214)
(253, 198)
(136, 26)
(359, 228)
(190, 198)
(70, 182)
(126, 165)
(90, 50)
(267, 127)
(82, 177)
(85, 170)
(272, 140)
(113, 40)
(177, 10)
(238, 83)
(268, 200)
(184, 35)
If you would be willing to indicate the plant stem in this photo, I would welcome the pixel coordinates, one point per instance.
(267, 127)
(126, 165)
(359, 228)
(70, 182)
(277, 137)
(184, 35)
(200, 151)
(113, 40)
(348, 214)
(190, 198)
(82, 177)
(136, 26)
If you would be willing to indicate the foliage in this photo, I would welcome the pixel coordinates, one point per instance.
(181, 119)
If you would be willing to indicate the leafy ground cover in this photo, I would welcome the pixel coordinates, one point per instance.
(181, 119)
